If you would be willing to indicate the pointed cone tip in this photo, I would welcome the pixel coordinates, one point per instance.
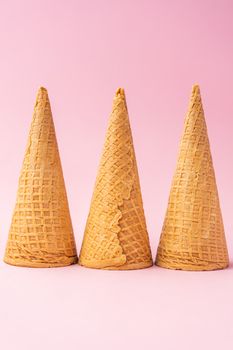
(196, 89)
(42, 93)
(42, 90)
(120, 93)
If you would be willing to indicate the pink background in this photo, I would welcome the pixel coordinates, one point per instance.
(82, 51)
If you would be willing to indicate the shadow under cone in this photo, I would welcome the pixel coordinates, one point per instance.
(41, 233)
(116, 235)
(193, 234)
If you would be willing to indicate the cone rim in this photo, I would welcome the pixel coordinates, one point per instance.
(188, 267)
(25, 263)
(125, 267)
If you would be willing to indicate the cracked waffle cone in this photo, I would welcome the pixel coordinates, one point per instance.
(116, 236)
(193, 234)
(41, 233)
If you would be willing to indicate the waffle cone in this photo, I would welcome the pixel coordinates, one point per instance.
(41, 232)
(193, 234)
(116, 236)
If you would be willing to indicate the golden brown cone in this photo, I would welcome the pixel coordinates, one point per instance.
(116, 235)
(193, 234)
(41, 233)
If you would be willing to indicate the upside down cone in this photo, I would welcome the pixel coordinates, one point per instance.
(193, 234)
(116, 235)
(41, 233)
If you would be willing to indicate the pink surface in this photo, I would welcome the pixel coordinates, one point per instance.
(82, 51)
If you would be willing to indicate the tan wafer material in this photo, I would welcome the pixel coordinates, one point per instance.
(116, 235)
(41, 233)
(193, 234)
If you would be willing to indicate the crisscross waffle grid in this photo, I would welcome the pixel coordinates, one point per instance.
(41, 232)
(116, 235)
(193, 234)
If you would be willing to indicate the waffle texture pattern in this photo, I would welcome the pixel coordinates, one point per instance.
(116, 236)
(41, 232)
(193, 234)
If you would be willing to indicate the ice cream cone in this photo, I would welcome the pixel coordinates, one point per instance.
(193, 234)
(41, 233)
(116, 236)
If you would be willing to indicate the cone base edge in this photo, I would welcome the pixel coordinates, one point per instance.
(210, 267)
(25, 263)
(136, 266)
